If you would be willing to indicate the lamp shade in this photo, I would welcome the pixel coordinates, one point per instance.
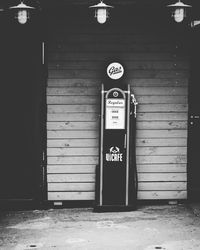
(22, 12)
(101, 11)
(179, 10)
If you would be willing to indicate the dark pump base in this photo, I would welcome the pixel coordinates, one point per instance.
(114, 208)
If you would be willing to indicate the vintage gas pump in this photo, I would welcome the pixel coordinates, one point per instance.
(116, 177)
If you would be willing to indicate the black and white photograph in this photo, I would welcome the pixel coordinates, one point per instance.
(100, 124)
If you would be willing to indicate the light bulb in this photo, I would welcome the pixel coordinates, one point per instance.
(179, 15)
(101, 15)
(22, 16)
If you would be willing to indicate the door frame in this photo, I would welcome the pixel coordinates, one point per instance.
(192, 113)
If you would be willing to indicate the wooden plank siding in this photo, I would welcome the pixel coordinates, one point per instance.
(158, 75)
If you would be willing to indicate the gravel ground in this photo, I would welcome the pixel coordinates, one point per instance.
(169, 227)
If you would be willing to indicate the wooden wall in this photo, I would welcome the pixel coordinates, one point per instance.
(158, 73)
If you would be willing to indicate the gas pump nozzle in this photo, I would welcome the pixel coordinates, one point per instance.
(135, 103)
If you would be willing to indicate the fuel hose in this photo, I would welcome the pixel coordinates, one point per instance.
(134, 175)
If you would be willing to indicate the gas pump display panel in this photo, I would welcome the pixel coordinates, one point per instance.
(115, 112)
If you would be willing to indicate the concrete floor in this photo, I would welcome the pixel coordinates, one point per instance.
(169, 227)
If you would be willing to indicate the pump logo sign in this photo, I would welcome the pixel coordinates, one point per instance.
(115, 71)
(114, 155)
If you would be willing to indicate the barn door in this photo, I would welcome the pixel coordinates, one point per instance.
(194, 120)
(22, 97)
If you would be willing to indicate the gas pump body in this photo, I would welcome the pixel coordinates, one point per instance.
(115, 179)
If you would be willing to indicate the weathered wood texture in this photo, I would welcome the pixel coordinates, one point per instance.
(158, 73)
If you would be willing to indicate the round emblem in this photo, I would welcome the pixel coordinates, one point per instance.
(115, 94)
(115, 71)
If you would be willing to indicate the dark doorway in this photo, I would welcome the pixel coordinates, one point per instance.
(194, 119)
(22, 113)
